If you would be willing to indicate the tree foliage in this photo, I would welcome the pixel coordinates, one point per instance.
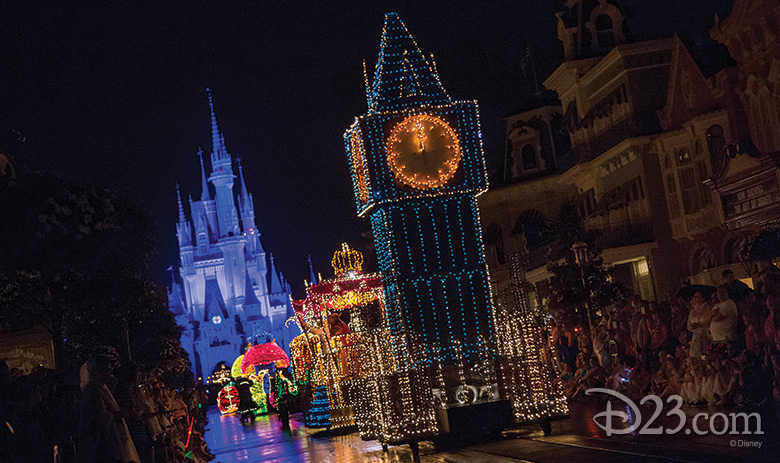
(76, 260)
(763, 247)
(568, 294)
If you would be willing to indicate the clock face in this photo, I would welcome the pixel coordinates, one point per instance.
(423, 152)
(357, 157)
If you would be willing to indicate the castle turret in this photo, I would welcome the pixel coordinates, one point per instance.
(183, 229)
(222, 178)
(205, 195)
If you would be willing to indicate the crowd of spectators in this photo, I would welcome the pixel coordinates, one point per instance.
(710, 346)
(111, 416)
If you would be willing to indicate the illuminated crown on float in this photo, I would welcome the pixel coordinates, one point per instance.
(347, 259)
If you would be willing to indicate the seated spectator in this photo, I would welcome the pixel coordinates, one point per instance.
(667, 380)
(640, 381)
(594, 376)
(724, 389)
(690, 388)
(566, 375)
(754, 380)
(622, 374)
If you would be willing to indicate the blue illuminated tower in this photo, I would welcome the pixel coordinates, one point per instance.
(417, 167)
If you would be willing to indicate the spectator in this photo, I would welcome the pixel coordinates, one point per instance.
(699, 325)
(755, 339)
(679, 321)
(659, 333)
(103, 434)
(772, 324)
(737, 289)
(667, 380)
(723, 327)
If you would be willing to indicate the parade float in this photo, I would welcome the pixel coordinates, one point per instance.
(442, 360)
(258, 365)
(332, 359)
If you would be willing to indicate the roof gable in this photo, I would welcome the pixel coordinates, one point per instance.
(689, 94)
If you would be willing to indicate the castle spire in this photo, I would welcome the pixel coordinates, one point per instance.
(244, 192)
(204, 194)
(245, 203)
(217, 142)
(276, 284)
(222, 179)
(183, 231)
(403, 74)
(182, 217)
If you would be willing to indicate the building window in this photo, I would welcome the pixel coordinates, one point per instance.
(690, 190)
(528, 154)
(703, 174)
(671, 192)
(702, 260)
(494, 241)
(683, 157)
(536, 229)
(716, 143)
(642, 269)
(604, 32)
(732, 252)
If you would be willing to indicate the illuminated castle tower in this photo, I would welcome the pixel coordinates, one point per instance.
(227, 291)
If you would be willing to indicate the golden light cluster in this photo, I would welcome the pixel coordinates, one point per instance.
(423, 151)
(347, 260)
(357, 155)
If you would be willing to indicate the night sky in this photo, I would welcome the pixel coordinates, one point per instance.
(113, 93)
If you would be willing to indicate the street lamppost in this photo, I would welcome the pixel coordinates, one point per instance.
(582, 258)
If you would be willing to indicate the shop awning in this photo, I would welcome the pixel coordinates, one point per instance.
(620, 196)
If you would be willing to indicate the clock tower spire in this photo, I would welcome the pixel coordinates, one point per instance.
(403, 77)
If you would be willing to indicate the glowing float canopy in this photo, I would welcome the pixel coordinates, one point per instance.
(264, 354)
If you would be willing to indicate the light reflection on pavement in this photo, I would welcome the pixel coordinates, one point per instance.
(573, 440)
(264, 441)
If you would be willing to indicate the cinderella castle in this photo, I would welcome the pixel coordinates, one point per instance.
(226, 292)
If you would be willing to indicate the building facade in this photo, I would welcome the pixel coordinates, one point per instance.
(226, 291)
(520, 216)
(674, 169)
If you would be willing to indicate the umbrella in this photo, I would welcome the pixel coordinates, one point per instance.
(687, 292)
(264, 354)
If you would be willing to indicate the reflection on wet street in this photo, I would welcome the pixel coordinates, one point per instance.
(573, 440)
(264, 441)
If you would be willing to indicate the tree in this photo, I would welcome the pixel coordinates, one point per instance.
(568, 295)
(76, 261)
(763, 247)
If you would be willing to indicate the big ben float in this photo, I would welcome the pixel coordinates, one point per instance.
(453, 363)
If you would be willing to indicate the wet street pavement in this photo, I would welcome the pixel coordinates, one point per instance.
(575, 439)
